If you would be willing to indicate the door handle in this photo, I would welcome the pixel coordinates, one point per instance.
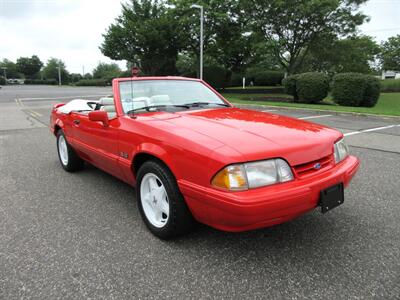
(77, 122)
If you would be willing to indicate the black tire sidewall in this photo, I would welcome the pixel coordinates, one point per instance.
(74, 162)
(178, 212)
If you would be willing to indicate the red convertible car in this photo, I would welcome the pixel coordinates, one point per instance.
(193, 156)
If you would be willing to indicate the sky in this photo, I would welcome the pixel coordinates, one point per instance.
(71, 30)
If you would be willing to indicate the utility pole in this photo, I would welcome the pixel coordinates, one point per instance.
(59, 73)
(201, 36)
(5, 73)
(83, 71)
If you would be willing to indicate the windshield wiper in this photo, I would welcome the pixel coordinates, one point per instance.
(195, 104)
(148, 108)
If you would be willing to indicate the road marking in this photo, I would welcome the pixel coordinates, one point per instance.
(370, 130)
(65, 97)
(269, 110)
(315, 117)
(36, 113)
(31, 112)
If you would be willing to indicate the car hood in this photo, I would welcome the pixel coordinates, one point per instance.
(258, 135)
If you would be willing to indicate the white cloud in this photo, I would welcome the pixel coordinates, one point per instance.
(384, 19)
(69, 30)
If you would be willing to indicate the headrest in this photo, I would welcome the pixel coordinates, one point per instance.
(160, 99)
(106, 101)
(109, 108)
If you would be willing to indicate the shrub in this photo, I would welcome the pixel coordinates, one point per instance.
(390, 85)
(372, 91)
(289, 83)
(2, 80)
(312, 87)
(41, 81)
(215, 76)
(92, 82)
(348, 88)
(355, 89)
(268, 78)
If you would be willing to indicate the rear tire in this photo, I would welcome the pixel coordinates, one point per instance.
(69, 160)
(160, 202)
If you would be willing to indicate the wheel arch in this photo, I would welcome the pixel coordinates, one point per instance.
(58, 125)
(148, 152)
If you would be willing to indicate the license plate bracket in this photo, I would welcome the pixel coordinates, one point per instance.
(331, 197)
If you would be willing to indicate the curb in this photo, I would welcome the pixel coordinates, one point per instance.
(334, 112)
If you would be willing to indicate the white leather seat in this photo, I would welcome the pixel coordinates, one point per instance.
(160, 100)
(108, 105)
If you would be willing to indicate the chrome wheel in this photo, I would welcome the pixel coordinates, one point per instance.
(63, 150)
(154, 200)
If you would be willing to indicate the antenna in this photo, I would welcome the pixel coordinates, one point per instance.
(135, 73)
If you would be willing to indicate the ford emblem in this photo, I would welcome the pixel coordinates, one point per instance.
(317, 166)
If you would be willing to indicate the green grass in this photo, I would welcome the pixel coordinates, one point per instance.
(388, 104)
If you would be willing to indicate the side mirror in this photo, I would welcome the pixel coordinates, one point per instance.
(99, 116)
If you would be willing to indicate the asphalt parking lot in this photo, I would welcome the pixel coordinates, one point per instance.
(80, 235)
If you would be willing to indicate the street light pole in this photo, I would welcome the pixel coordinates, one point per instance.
(5, 73)
(59, 73)
(201, 36)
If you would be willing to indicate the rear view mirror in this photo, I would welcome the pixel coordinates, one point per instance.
(99, 116)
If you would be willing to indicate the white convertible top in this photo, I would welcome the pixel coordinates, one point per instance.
(76, 105)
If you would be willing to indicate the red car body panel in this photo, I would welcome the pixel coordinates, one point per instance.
(196, 144)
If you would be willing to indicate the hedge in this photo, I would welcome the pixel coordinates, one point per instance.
(355, 89)
(237, 79)
(92, 82)
(289, 83)
(268, 78)
(312, 87)
(372, 91)
(216, 76)
(41, 81)
(390, 85)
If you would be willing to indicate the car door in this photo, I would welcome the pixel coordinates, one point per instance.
(98, 143)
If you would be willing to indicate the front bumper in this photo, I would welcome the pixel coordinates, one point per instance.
(266, 206)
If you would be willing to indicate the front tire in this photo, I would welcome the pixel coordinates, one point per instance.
(161, 203)
(69, 160)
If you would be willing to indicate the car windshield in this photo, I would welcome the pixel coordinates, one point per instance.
(137, 95)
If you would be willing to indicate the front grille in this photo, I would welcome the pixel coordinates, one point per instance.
(310, 167)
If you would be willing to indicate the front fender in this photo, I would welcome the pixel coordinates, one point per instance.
(158, 152)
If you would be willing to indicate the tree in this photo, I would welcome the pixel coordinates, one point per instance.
(298, 25)
(390, 57)
(146, 33)
(30, 67)
(352, 54)
(50, 71)
(227, 39)
(106, 71)
(75, 77)
(88, 76)
(11, 69)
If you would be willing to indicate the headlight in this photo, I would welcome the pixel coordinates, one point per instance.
(341, 151)
(254, 174)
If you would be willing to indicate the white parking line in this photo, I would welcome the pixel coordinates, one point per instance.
(315, 117)
(370, 130)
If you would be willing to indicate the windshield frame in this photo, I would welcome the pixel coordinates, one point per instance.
(117, 91)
